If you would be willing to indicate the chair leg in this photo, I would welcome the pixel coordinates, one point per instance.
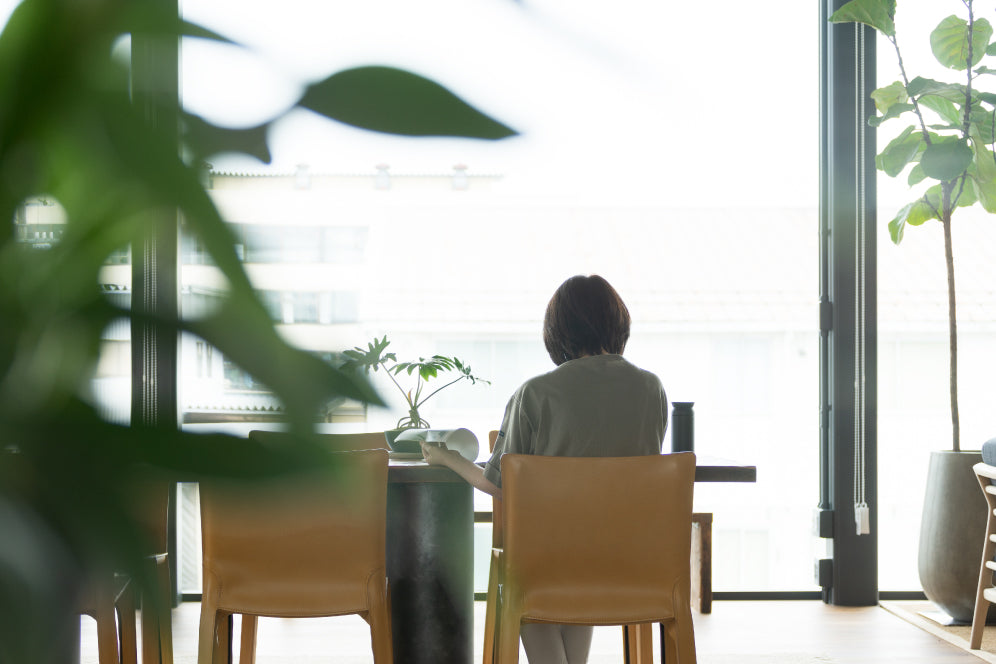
(126, 626)
(985, 581)
(669, 645)
(107, 631)
(247, 650)
(678, 640)
(157, 621)
(491, 610)
(379, 618)
(638, 644)
(508, 636)
(215, 636)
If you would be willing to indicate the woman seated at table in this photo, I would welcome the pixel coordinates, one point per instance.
(595, 403)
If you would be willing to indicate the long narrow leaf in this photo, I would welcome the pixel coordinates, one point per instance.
(395, 101)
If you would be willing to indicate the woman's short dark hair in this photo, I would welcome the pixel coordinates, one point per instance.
(585, 316)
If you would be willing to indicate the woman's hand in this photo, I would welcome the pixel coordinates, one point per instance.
(436, 454)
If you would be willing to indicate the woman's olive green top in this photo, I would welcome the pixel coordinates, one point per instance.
(593, 406)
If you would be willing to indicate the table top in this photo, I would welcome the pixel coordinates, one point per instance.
(708, 468)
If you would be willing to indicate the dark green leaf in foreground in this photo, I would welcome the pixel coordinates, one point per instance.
(204, 139)
(395, 101)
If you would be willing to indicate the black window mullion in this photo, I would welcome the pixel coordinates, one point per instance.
(849, 575)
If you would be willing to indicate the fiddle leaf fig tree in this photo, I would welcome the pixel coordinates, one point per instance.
(946, 150)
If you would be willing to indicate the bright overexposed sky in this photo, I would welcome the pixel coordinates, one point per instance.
(680, 104)
(683, 103)
(633, 99)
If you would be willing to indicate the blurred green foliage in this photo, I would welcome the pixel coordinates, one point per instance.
(71, 130)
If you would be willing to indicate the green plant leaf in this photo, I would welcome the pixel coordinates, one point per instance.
(967, 197)
(991, 49)
(921, 86)
(982, 122)
(890, 95)
(949, 42)
(395, 101)
(913, 214)
(204, 139)
(894, 112)
(899, 152)
(983, 173)
(916, 175)
(879, 14)
(370, 359)
(985, 70)
(946, 160)
(945, 108)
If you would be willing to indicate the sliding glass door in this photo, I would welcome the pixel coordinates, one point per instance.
(647, 153)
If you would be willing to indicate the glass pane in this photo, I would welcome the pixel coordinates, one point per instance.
(685, 186)
(39, 224)
(914, 416)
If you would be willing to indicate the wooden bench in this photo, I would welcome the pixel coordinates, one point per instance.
(702, 561)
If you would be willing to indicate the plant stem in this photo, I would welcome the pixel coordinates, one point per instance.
(441, 388)
(906, 86)
(397, 384)
(947, 208)
(946, 189)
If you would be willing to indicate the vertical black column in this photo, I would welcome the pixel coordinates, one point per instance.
(154, 350)
(430, 566)
(849, 576)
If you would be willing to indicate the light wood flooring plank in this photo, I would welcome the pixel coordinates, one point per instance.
(736, 632)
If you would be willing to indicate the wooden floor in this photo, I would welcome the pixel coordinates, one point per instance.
(787, 632)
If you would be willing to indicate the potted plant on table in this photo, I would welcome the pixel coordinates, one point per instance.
(374, 358)
(947, 151)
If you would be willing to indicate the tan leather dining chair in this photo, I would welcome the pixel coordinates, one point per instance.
(553, 569)
(307, 545)
(986, 594)
(111, 599)
(334, 442)
(108, 599)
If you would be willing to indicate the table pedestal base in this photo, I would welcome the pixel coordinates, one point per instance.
(430, 543)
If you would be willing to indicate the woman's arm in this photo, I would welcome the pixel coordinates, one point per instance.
(439, 455)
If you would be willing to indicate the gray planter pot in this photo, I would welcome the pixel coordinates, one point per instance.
(952, 533)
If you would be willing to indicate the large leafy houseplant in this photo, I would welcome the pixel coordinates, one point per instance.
(72, 128)
(947, 147)
(947, 152)
(373, 358)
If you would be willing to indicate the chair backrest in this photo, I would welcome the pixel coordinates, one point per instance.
(606, 538)
(149, 499)
(335, 442)
(497, 528)
(276, 547)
